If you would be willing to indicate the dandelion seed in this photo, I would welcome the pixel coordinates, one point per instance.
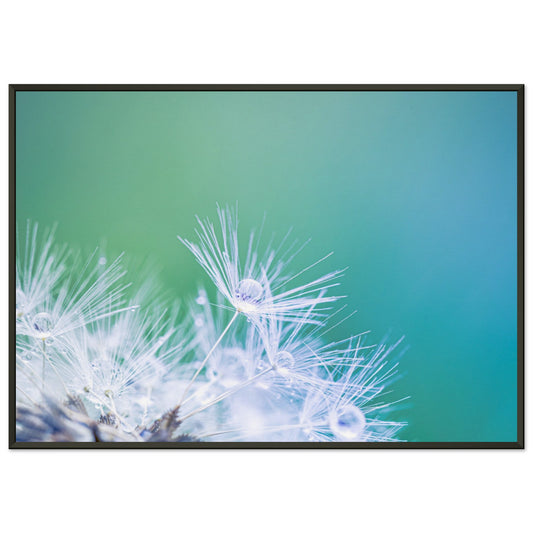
(255, 287)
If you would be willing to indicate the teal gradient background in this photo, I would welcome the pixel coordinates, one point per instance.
(414, 191)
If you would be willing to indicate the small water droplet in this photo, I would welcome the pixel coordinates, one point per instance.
(102, 261)
(262, 365)
(348, 423)
(201, 300)
(43, 324)
(199, 322)
(20, 304)
(284, 362)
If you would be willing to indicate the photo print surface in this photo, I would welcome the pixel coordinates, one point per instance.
(217, 267)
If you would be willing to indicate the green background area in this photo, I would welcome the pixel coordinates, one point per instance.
(414, 191)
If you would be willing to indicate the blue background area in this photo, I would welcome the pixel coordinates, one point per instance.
(414, 191)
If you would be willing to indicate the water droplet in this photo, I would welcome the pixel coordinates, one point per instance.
(199, 322)
(284, 362)
(262, 365)
(43, 324)
(249, 291)
(201, 300)
(20, 304)
(348, 423)
(26, 356)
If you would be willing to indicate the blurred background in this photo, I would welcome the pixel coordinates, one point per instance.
(415, 192)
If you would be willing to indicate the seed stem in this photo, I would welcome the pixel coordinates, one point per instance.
(44, 361)
(231, 391)
(213, 348)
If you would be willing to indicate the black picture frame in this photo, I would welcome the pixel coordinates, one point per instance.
(519, 89)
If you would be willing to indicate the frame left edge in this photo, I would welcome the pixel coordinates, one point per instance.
(12, 268)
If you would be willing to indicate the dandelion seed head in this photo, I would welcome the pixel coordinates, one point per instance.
(212, 375)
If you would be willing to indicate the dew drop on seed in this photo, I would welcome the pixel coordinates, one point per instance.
(249, 291)
(102, 261)
(199, 322)
(42, 323)
(348, 423)
(284, 362)
(20, 302)
(262, 365)
(201, 300)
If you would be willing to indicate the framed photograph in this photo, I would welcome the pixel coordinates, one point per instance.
(274, 266)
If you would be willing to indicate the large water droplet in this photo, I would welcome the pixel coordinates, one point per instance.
(43, 324)
(249, 291)
(284, 362)
(348, 423)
